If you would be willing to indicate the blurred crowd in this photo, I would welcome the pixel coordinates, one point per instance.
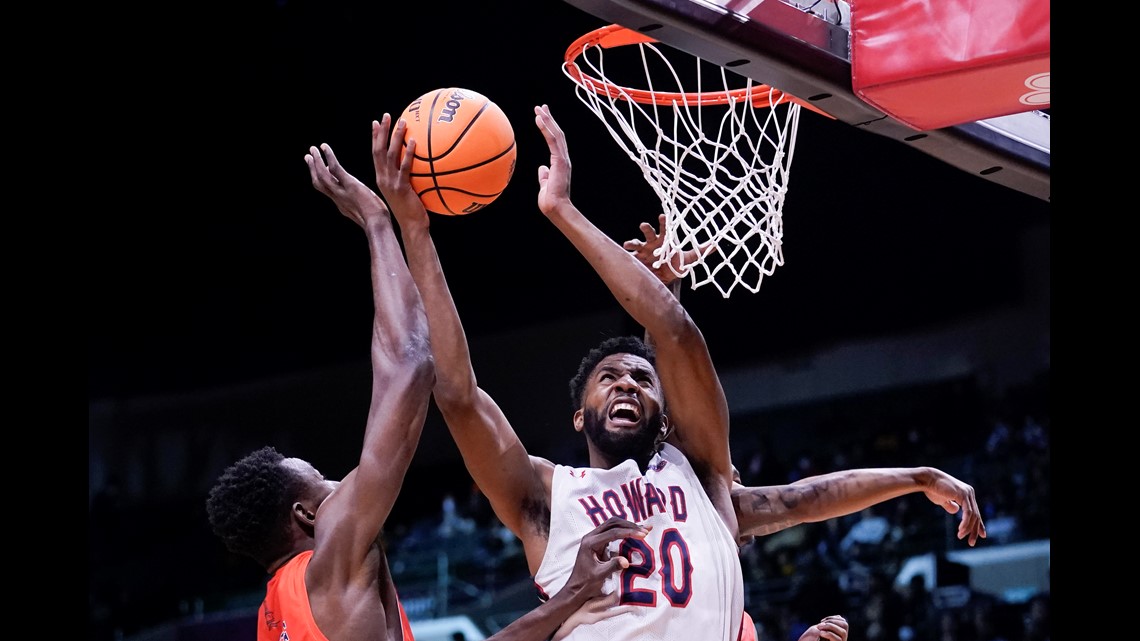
(461, 560)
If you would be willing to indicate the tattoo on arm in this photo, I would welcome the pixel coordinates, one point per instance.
(774, 508)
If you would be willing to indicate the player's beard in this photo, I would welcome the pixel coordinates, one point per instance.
(639, 444)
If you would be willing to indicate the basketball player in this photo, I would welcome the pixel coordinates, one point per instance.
(319, 539)
(684, 578)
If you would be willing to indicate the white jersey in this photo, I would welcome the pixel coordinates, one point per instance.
(684, 580)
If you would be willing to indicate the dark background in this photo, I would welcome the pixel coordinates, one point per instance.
(229, 266)
(221, 267)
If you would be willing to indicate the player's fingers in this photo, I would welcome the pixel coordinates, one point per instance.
(969, 522)
(542, 130)
(633, 245)
(396, 144)
(830, 631)
(550, 127)
(543, 126)
(614, 522)
(648, 231)
(378, 143)
(551, 122)
(406, 161)
(614, 564)
(334, 165)
(973, 509)
(599, 539)
(379, 140)
(968, 527)
(951, 506)
(612, 530)
(318, 172)
(318, 159)
(384, 132)
(311, 162)
(974, 529)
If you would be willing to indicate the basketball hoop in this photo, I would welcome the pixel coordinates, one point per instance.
(718, 159)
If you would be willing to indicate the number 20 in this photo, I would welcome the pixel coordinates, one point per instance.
(678, 595)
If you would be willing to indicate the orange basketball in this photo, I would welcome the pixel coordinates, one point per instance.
(465, 150)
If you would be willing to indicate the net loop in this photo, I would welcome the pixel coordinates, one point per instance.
(717, 157)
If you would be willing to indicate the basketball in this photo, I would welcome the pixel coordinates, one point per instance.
(465, 150)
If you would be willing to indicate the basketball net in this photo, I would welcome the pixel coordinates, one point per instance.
(718, 157)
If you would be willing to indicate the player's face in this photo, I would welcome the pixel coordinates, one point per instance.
(621, 409)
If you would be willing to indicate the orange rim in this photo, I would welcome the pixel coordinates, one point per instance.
(608, 37)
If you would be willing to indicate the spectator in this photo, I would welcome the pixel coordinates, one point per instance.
(917, 611)
(1037, 618)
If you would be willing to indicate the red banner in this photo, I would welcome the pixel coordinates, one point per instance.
(936, 63)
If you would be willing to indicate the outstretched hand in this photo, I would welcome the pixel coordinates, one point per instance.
(393, 167)
(646, 251)
(954, 495)
(356, 201)
(553, 179)
(833, 628)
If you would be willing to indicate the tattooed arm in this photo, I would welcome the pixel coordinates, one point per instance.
(769, 509)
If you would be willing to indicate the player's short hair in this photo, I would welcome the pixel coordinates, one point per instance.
(249, 505)
(614, 345)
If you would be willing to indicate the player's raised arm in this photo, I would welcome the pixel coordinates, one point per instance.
(695, 402)
(493, 453)
(402, 377)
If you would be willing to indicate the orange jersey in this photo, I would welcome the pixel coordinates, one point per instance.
(747, 628)
(285, 614)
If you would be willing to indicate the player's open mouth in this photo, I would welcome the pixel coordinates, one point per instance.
(625, 413)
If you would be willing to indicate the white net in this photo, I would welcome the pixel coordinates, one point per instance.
(718, 158)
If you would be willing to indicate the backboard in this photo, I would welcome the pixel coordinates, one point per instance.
(779, 44)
